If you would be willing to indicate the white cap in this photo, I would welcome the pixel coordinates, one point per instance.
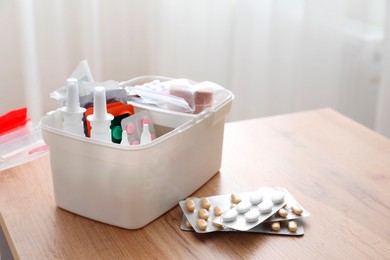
(72, 97)
(99, 106)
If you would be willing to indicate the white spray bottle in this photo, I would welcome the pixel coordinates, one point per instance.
(72, 113)
(100, 120)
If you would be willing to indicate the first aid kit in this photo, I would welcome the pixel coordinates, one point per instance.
(129, 184)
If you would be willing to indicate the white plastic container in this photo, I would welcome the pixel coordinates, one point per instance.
(130, 186)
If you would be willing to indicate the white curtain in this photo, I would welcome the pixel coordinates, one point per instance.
(277, 56)
(383, 108)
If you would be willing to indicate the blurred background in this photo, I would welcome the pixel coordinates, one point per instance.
(277, 56)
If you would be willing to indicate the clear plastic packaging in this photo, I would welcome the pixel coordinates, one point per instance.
(21, 145)
(162, 100)
(180, 95)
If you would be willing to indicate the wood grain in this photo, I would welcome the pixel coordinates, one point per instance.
(336, 168)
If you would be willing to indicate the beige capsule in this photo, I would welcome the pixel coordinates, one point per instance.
(201, 223)
(205, 203)
(296, 210)
(292, 226)
(236, 198)
(190, 205)
(203, 214)
(188, 224)
(282, 212)
(217, 211)
(275, 226)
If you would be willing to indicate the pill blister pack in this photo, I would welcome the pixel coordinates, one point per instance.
(292, 210)
(275, 212)
(133, 125)
(282, 228)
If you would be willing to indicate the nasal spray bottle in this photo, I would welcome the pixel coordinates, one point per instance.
(72, 113)
(100, 120)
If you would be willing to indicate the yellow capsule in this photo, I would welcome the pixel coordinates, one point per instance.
(190, 205)
(292, 226)
(282, 212)
(205, 203)
(236, 198)
(275, 226)
(203, 214)
(296, 210)
(202, 224)
(217, 211)
(188, 224)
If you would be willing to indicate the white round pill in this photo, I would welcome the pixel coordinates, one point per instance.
(277, 197)
(252, 215)
(256, 197)
(243, 207)
(265, 207)
(230, 215)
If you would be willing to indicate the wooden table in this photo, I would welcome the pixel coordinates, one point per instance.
(337, 169)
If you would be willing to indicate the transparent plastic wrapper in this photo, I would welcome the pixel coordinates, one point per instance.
(82, 73)
(199, 96)
(180, 95)
(162, 100)
(85, 91)
(21, 145)
(86, 85)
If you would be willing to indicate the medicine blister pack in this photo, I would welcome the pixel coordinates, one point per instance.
(133, 125)
(288, 228)
(292, 210)
(266, 210)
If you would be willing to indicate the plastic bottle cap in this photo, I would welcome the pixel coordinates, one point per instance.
(99, 106)
(72, 104)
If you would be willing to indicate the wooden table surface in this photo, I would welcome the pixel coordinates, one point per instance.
(337, 169)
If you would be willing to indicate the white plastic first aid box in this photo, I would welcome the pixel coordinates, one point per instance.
(130, 186)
